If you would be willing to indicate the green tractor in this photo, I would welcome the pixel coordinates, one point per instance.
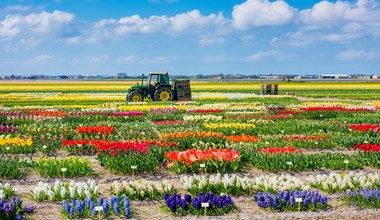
(158, 88)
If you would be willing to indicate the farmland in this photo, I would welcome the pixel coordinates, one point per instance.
(78, 150)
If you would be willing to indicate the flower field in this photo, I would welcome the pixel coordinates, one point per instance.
(68, 152)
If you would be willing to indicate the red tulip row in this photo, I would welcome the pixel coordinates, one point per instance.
(367, 147)
(105, 130)
(279, 150)
(365, 127)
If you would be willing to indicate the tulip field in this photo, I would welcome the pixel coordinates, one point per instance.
(78, 150)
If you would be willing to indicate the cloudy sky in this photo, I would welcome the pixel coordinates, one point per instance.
(189, 36)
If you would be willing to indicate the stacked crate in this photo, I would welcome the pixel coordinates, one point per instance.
(183, 90)
(266, 89)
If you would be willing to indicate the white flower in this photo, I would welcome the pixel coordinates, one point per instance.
(7, 186)
(87, 193)
(72, 192)
(50, 195)
(63, 192)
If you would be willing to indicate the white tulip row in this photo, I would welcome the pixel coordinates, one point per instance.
(59, 190)
(337, 182)
(331, 183)
(202, 118)
(218, 179)
(141, 188)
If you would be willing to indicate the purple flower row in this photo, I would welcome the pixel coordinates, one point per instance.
(195, 205)
(13, 209)
(292, 200)
(7, 129)
(79, 208)
(364, 198)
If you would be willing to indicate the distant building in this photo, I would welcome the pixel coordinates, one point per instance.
(305, 77)
(270, 77)
(334, 76)
(375, 77)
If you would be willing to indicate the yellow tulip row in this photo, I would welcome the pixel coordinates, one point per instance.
(15, 141)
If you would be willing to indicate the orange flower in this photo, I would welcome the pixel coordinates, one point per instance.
(190, 156)
(241, 138)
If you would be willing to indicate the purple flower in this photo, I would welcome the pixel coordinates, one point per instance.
(105, 207)
(173, 206)
(184, 205)
(187, 198)
(166, 196)
(101, 200)
(66, 206)
(71, 212)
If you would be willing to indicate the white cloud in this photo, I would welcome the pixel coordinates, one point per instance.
(221, 58)
(35, 23)
(340, 38)
(191, 23)
(356, 55)
(327, 13)
(210, 40)
(41, 59)
(17, 8)
(22, 44)
(264, 55)
(262, 13)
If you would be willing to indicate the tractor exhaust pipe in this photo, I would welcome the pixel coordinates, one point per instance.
(142, 79)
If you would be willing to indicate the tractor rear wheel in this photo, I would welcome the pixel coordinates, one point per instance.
(164, 94)
(135, 96)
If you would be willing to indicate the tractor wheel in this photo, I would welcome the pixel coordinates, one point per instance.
(163, 94)
(135, 96)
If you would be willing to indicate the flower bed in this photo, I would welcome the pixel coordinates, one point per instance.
(363, 198)
(141, 189)
(340, 182)
(227, 184)
(70, 167)
(367, 147)
(203, 204)
(87, 208)
(279, 150)
(292, 200)
(13, 209)
(60, 191)
(194, 161)
(241, 138)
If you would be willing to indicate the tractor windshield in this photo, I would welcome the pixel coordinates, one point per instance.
(159, 80)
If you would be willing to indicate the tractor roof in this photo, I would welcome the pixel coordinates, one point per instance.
(158, 73)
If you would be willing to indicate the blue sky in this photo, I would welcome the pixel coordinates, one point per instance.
(189, 36)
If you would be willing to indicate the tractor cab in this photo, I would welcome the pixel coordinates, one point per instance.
(155, 80)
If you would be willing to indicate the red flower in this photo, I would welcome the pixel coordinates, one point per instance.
(190, 156)
(365, 127)
(279, 150)
(367, 147)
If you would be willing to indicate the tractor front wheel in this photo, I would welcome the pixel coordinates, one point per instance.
(163, 94)
(135, 96)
